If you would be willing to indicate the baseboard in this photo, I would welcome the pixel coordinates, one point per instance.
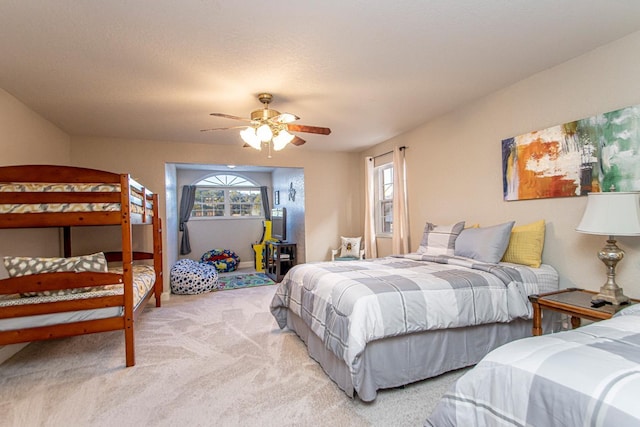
(245, 264)
(9, 350)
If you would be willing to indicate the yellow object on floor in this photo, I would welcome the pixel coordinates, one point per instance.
(258, 248)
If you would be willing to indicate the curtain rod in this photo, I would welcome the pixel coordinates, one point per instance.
(388, 152)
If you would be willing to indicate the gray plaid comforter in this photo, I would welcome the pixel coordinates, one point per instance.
(348, 304)
(589, 376)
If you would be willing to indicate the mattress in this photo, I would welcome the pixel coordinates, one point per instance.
(350, 305)
(135, 205)
(143, 281)
(589, 376)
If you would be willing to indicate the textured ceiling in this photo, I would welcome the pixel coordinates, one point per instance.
(369, 70)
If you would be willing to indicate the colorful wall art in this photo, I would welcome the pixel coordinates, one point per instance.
(599, 153)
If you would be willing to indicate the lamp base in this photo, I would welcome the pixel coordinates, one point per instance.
(610, 291)
(613, 296)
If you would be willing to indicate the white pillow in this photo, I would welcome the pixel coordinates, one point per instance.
(350, 247)
(439, 239)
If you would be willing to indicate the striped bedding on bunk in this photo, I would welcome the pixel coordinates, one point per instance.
(136, 206)
(143, 279)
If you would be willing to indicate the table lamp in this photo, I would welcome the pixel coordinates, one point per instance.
(611, 214)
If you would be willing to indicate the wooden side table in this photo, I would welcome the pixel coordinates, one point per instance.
(278, 259)
(574, 302)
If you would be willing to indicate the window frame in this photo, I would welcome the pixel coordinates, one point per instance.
(381, 201)
(243, 184)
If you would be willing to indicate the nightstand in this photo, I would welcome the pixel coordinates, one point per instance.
(574, 302)
(278, 259)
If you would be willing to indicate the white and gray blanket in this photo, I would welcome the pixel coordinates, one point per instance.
(348, 304)
(589, 376)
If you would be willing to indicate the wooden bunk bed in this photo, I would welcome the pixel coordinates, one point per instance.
(83, 302)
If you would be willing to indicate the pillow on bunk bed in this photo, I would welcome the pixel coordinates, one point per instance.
(24, 266)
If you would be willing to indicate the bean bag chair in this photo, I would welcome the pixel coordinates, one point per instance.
(224, 260)
(189, 277)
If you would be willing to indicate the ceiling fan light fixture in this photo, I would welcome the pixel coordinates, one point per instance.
(249, 136)
(269, 128)
(287, 118)
(264, 133)
(282, 139)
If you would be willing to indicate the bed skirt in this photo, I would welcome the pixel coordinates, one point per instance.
(396, 361)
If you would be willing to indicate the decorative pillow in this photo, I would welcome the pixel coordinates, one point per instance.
(24, 266)
(486, 244)
(439, 239)
(350, 247)
(526, 244)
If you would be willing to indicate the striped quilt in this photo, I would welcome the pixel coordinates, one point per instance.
(589, 376)
(348, 304)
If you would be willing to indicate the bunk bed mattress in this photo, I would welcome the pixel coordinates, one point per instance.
(143, 281)
(136, 207)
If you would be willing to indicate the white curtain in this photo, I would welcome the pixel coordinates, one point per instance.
(400, 236)
(370, 247)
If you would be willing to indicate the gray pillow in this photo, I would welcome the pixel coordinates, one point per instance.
(439, 239)
(486, 244)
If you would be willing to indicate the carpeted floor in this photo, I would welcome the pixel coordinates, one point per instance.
(247, 280)
(215, 359)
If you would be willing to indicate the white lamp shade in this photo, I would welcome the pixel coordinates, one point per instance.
(249, 136)
(264, 133)
(612, 214)
(281, 140)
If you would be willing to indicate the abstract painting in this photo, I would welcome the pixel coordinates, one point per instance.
(599, 153)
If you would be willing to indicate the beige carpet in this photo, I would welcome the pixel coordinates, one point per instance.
(215, 359)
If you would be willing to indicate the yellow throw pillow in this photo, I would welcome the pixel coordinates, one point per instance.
(525, 244)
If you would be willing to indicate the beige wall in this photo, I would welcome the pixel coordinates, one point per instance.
(454, 162)
(331, 180)
(26, 138)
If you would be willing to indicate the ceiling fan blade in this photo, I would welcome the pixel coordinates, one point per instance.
(231, 127)
(229, 116)
(297, 141)
(285, 118)
(309, 129)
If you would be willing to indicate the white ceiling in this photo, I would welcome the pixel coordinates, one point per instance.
(368, 69)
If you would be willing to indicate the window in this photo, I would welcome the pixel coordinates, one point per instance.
(384, 199)
(227, 196)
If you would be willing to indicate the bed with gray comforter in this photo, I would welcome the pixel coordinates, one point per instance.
(589, 376)
(385, 322)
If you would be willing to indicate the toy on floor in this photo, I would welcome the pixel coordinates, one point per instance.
(224, 260)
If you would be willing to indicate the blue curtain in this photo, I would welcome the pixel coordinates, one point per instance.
(186, 206)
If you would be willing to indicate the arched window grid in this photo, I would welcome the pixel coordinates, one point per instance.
(225, 195)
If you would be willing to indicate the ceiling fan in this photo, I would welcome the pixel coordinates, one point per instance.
(269, 127)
